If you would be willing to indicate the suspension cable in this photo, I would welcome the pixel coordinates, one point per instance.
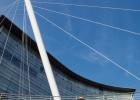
(5, 8)
(7, 11)
(27, 58)
(5, 44)
(23, 52)
(91, 48)
(91, 21)
(88, 6)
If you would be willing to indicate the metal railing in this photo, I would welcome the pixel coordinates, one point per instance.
(6, 96)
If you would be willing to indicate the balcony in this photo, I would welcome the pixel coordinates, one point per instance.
(6, 96)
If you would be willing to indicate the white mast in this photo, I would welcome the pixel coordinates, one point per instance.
(42, 51)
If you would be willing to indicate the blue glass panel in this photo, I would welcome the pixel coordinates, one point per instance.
(16, 62)
(7, 55)
(32, 72)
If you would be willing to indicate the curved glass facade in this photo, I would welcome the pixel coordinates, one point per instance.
(21, 72)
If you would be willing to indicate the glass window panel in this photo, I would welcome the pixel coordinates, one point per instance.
(7, 55)
(32, 72)
(16, 62)
(41, 69)
(1, 51)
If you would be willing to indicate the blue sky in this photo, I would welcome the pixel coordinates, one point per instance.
(121, 47)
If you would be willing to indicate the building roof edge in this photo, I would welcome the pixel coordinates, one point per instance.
(4, 21)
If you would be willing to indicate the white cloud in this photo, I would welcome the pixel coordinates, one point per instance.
(68, 24)
(93, 58)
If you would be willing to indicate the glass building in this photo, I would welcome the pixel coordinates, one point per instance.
(22, 72)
